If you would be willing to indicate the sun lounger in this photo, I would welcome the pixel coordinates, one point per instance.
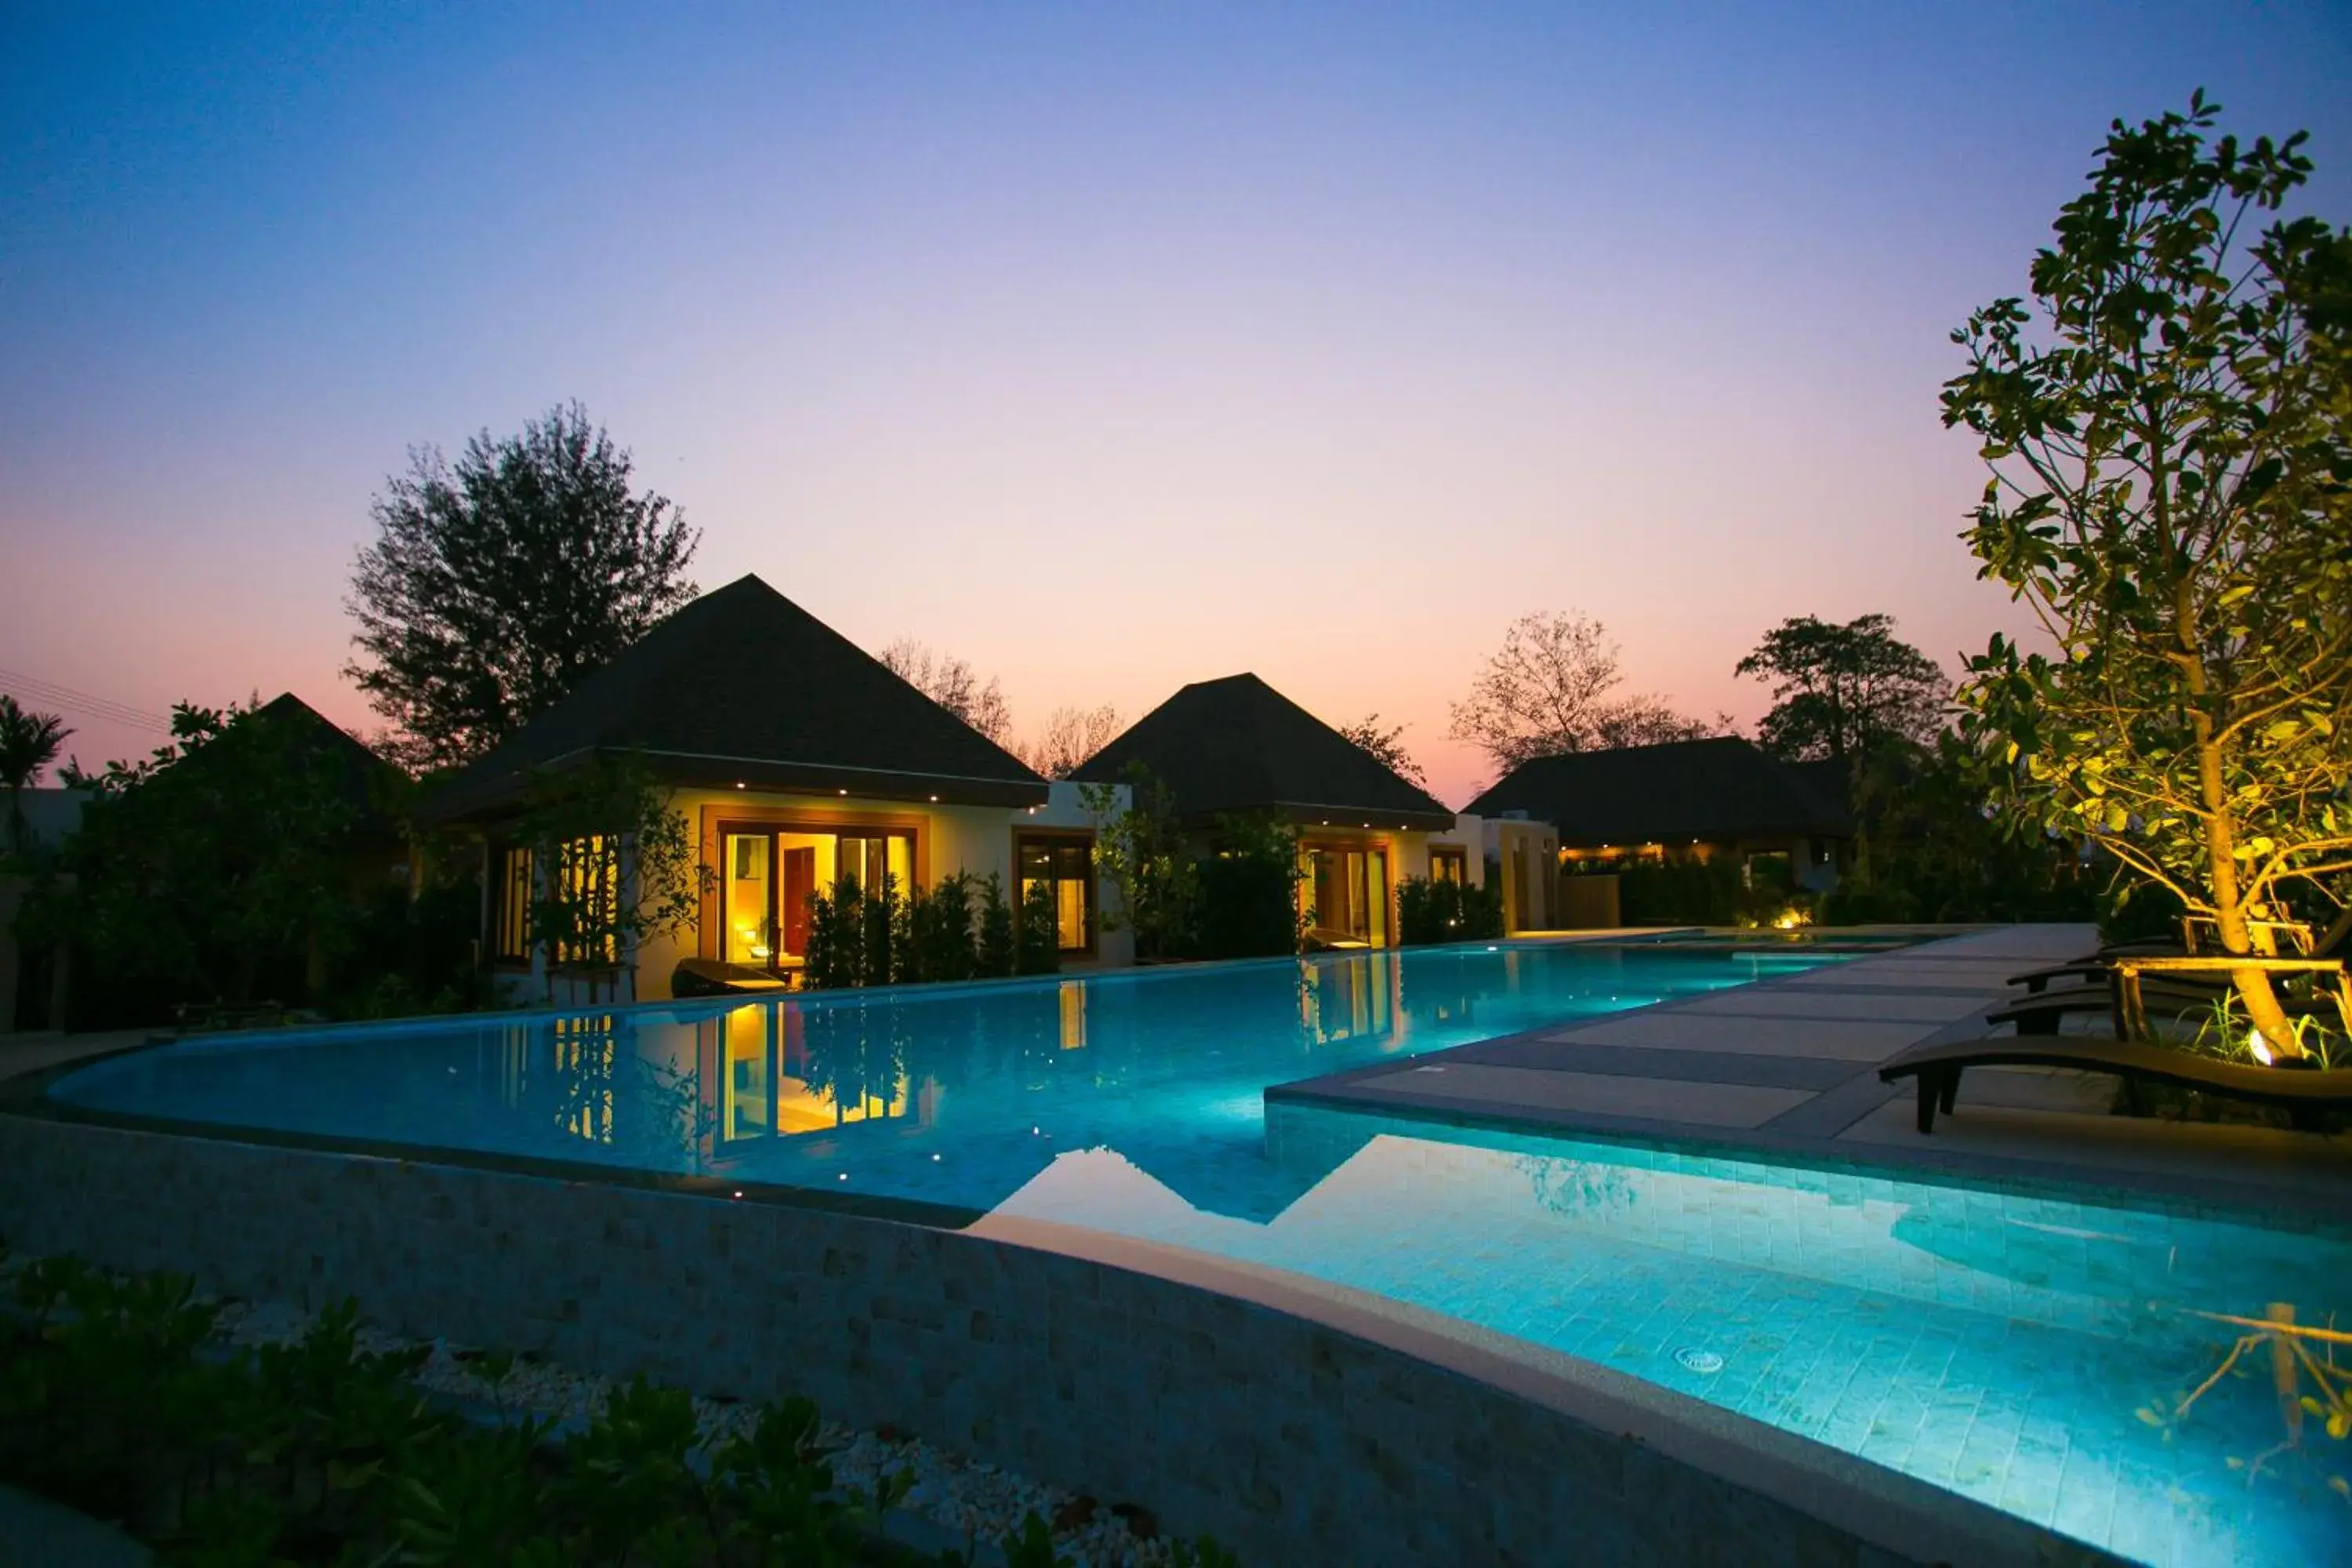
(2307, 1096)
(2041, 1012)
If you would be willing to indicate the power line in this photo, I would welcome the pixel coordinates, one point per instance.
(50, 694)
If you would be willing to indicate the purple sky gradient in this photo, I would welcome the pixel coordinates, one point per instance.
(1106, 347)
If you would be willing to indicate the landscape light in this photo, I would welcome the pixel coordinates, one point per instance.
(2261, 1046)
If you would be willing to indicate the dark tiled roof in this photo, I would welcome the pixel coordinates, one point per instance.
(1719, 788)
(742, 685)
(1237, 744)
(364, 777)
(366, 783)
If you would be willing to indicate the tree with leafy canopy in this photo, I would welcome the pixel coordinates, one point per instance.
(2168, 433)
(1387, 747)
(29, 742)
(1548, 690)
(496, 586)
(1840, 692)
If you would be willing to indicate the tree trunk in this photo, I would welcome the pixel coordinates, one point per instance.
(2254, 985)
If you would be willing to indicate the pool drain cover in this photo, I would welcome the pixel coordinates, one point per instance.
(1697, 1360)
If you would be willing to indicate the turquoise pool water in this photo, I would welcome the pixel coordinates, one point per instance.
(2029, 1353)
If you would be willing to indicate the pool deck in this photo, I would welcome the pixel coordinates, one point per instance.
(1789, 1067)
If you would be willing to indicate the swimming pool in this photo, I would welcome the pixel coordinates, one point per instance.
(2027, 1352)
(955, 1096)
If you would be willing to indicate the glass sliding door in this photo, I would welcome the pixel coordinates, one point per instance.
(1065, 867)
(769, 874)
(1344, 894)
(751, 916)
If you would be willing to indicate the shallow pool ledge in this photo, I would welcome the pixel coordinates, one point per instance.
(1296, 1421)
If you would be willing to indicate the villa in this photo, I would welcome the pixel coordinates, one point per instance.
(820, 763)
(1236, 746)
(1711, 799)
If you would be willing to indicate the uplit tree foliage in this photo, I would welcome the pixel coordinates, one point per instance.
(2171, 491)
(1388, 746)
(1071, 737)
(1840, 692)
(1551, 689)
(495, 587)
(952, 683)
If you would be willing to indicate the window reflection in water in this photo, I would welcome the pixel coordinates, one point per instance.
(1354, 999)
(778, 1071)
(1074, 1015)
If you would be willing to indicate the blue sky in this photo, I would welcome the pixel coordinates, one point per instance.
(1106, 347)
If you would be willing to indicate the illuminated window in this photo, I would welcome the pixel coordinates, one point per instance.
(511, 931)
(1067, 865)
(585, 900)
(1449, 865)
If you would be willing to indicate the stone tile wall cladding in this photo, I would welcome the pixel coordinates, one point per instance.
(1288, 1440)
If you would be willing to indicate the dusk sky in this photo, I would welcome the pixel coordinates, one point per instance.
(1108, 347)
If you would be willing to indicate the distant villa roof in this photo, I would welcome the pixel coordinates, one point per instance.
(1719, 788)
(362, 774)
(742, 686)
(1237, 744)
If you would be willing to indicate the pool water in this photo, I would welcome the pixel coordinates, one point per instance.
(951, 1095)
(2029, 1352)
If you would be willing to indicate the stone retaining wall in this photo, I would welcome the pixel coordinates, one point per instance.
(1294, 1441)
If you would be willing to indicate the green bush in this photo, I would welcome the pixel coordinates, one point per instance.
(1679, 892)
(1434, 911)
(1037, 943)
(1248, 891)
(999, 951)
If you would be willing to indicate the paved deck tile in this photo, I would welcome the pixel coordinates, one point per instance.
(1605, 1094)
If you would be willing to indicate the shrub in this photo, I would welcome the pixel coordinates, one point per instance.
(115, 1398)
(999, 954)
(1249, 890)
(1038, 942)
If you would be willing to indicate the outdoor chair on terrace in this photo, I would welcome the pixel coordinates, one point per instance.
(2308, 1097)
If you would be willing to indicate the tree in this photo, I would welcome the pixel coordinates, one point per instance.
(1548, 691)
(1140, 850)
(493, 588)
(29, 742)
(1840, 692)
(1387, 746)
(215, 866)
(1071, 737)
(617, 865)
(2171, 491)
(950, 682)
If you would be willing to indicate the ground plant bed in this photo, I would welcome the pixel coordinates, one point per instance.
(224, 1432)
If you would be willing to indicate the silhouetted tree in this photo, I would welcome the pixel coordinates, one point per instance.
(1388, 745)
(493, 587)
(952, 683)
(1841, 691)
(29, 742)
(1548, 691)
(1071, 737)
